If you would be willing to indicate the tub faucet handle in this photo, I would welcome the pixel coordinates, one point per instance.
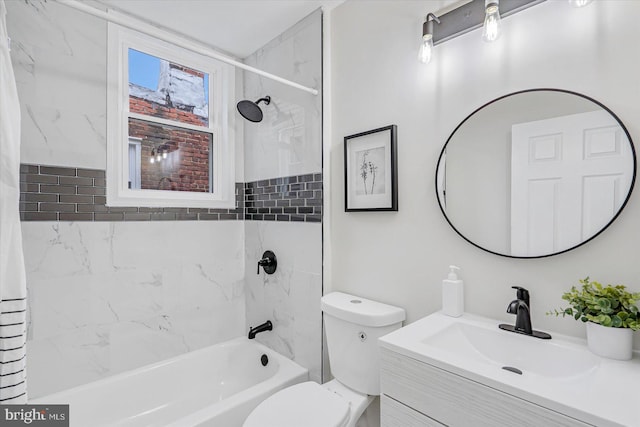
(268, 262)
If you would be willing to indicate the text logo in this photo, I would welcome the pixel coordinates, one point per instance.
(35, 415)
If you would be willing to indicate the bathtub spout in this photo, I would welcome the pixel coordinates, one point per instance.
(266, 326)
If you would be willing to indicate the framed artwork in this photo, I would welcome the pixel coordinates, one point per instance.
(370, 170)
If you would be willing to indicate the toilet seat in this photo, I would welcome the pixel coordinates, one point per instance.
(306, 404)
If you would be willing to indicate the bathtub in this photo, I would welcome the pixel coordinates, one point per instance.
(217, 386)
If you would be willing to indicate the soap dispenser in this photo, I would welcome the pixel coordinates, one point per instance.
(453, 294)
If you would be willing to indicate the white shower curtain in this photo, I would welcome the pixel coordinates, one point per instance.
(13, 292)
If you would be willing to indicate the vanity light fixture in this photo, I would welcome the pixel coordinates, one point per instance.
(468, 17)
(579, 3)
(492, 27)
(426, 46)
(152, 159)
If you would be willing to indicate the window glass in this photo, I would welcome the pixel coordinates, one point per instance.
(170, 135)
(167, 90)
(171, 157)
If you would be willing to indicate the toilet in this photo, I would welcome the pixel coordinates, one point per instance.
(353, 326)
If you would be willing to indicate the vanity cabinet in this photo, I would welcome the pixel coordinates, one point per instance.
(415, 394)
(396, 414)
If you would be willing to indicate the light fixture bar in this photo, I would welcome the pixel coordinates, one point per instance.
(471, 15)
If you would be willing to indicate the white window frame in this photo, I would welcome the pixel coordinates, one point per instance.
(221, 124)
(135, 166)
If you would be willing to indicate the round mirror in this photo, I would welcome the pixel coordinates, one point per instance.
(535, 173)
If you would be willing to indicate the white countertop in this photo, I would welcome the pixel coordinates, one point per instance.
(595, 390)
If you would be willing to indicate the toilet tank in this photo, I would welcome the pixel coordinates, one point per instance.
(353, 326)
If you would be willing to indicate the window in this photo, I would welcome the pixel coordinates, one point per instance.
(135, 161)
(170, 125)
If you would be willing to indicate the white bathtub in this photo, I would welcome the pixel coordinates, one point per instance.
(217, 386)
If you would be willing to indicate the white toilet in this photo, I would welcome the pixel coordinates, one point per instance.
(353, 326)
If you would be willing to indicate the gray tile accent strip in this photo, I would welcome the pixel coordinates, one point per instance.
(290, 198)
(55, 193)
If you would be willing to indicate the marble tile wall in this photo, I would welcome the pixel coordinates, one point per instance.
(110, 296)
(290, 297)
(107, 297)
(287, 142)
(59, 58)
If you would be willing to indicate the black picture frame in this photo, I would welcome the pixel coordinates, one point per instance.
(370, 170)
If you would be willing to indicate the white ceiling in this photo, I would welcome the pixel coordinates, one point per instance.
(238, 27)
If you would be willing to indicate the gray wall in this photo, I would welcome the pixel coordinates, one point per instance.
(401, 258)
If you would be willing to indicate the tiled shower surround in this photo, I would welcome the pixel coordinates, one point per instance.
(51, 193)
(292, 198)
(112, 289)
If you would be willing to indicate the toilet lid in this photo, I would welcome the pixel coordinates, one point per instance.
(306, 404)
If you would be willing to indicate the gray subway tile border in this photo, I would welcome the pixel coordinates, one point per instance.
(295, 198)
(58, 193)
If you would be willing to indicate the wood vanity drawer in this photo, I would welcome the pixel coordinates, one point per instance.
(395, 414)
(456, 401)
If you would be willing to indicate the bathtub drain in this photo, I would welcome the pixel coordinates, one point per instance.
(264, 360)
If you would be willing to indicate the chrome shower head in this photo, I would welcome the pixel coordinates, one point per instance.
(251, 110)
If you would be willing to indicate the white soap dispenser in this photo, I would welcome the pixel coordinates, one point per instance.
(453, 294)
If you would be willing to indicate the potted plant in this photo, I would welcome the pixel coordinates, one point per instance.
(611, 314)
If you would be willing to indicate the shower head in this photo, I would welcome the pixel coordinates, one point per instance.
(251, 111)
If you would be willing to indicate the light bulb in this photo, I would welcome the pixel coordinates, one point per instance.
(579, 3)
(158, 157)
(426, 49)
(152, 159)
(164, 154)
(492, 25)
(426, 45)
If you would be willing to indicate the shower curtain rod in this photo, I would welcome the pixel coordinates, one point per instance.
(148, 29)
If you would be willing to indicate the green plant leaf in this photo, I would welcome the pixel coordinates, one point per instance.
(604, 303)
(608, 305)
(616, 321)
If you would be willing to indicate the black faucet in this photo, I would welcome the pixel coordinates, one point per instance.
(269, 262)
(266, 326)
(522, 309)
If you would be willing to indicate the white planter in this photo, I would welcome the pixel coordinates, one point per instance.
(612, 343)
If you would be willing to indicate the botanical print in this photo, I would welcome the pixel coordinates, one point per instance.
(371, 171)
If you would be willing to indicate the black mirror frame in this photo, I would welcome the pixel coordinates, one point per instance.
(633, 178)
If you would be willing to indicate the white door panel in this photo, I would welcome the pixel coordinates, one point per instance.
(567, 176)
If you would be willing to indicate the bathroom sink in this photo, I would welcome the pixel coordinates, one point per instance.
(559, 374)
(509, 350)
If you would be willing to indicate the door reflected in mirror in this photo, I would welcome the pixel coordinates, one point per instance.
(535, 173)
